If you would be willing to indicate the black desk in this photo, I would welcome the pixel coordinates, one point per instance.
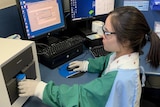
(48, 74)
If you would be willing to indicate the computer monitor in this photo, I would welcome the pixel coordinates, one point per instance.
(87, 10)
(41, 17)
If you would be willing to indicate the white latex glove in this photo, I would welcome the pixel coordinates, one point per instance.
(80, 65)
(27, 87)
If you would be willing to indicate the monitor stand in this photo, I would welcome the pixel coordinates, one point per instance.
(49, 39)
(86, 30)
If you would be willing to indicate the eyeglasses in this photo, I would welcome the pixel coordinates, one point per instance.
(105, 32)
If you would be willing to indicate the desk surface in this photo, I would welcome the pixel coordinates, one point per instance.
(48, 74)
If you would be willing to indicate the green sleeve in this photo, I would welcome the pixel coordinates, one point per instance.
(92, 94)
(98, 64)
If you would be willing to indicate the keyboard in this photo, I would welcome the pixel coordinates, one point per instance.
(98, 51)
(58, 53)
(56, 48)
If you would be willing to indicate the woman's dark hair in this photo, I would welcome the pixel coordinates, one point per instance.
(130, 25)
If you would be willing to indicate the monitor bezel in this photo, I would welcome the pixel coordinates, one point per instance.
(43, 35)
(92, 18)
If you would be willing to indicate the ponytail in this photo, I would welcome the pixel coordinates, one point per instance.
(137, 32)
(153, 56)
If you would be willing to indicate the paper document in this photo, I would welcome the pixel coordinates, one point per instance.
(103, 6)
(142, 5)
(157, 28)
(94, 36)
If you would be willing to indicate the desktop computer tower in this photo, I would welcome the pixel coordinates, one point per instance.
(16, 57)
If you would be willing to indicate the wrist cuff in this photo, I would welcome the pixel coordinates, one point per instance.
(85, 66)
(39, 89)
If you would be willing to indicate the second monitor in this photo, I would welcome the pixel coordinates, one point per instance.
(88, 10)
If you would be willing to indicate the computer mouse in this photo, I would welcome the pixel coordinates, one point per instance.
(71, 68)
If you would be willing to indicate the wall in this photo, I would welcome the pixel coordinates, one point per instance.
(150, 15)
(66, 5)
(10, 20)
(6, 3)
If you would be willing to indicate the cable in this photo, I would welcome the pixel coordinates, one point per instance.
(42, 44)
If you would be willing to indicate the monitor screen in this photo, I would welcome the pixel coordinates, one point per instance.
(85, 9)
(40, 17)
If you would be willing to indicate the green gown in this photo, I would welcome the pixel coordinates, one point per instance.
(92, 94)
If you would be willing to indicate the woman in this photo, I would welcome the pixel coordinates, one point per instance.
(125, 33)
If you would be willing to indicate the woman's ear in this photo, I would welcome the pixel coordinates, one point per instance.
(126, 43)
